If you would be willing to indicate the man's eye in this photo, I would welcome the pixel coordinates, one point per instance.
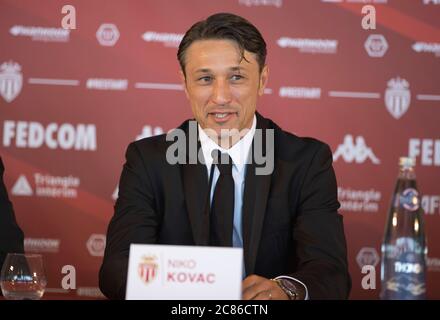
(205, 79)
(236, 77)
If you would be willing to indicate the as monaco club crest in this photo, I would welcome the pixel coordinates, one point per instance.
(397, 97)
(147, 268)
(11, 80)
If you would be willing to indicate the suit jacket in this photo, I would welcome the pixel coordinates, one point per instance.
(11, 236)
(290, 221)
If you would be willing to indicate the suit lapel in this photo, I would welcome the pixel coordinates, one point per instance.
(256, 192)
(195, 186)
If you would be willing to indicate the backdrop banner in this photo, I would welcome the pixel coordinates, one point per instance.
(71, 100)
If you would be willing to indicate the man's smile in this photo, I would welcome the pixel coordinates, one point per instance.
(222, 116)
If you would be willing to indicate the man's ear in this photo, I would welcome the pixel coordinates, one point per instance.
(183, 80)
(264, 75)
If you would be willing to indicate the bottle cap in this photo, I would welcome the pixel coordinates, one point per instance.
(407, 162)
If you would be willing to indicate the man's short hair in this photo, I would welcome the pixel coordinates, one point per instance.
(226, 26)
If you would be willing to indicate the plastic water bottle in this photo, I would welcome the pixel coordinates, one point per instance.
(404, 247)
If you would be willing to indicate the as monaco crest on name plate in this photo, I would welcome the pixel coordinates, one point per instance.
(147, 268)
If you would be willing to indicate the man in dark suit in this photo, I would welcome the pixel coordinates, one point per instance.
(11, 236)
(282, 212)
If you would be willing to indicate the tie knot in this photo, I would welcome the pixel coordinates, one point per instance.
(223, 162)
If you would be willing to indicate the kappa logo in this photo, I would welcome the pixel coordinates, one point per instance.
(11, 80)
(355, 150)
(147, 268)
(397, 97)
(22, 187)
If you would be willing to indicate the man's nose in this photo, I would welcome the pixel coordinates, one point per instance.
(221, 94)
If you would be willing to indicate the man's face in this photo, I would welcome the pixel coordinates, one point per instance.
(222, 90)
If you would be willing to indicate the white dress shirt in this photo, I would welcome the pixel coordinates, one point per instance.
(239, 153)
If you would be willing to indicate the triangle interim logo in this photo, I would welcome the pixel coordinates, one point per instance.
(22, 187)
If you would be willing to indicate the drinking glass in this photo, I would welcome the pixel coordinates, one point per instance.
(22, 277)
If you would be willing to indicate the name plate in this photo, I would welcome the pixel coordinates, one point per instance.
(165, 272)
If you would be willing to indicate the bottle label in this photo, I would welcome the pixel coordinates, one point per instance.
(409, 199)
(405, 272)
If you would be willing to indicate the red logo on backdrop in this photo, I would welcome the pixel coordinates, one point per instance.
(147, 268)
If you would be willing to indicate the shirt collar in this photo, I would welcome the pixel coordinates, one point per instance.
(238, 152)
